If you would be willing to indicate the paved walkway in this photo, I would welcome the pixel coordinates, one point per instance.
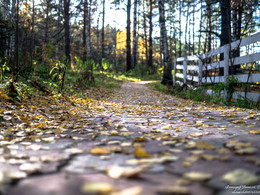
(136, 141)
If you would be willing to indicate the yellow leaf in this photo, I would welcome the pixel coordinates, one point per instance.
(204, 145)
(100, 188)
(184, 120)
(156, 131)
(99, 151)
(254, 131)
(140, 139)
(238, 121)
(139, 151)
(186, 163)
(178, 129)
(114, 132)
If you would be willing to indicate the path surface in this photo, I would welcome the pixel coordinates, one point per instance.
(136, 141)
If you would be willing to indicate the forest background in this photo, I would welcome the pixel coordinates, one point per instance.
(64, 41)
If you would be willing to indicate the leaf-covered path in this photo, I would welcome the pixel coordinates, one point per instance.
(134, 141)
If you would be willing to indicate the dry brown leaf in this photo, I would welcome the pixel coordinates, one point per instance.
(140, 139)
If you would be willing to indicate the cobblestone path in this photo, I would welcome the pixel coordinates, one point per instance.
(136, 141)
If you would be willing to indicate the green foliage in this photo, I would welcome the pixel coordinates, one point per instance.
(197, 94)
(217, 94)
(243, 102)
(106, 65)
(3, 71)
(57, 73)
(230, 84)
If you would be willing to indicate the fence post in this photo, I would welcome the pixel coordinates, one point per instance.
(185, 71)
(200, 70)
(226, 68)
(174, 72)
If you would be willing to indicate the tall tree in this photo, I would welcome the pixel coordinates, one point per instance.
(225, 36)
(167, 75)
(128, 37)
(150, 35)
(145, 35)
(67, 28)
(103, 32)
(85, 15)
(134, 53)
(16, 64)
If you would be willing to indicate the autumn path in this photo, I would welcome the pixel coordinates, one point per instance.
(135, 141)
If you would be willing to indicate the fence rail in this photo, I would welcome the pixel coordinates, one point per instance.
(208, 68)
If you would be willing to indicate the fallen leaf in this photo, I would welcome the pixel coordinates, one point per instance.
(249, 150)
(197, 176)
(209, 157)
(240, 177)
(173, 190)
(196, 134)
(139, 151)
(205, 145)
(129, 191)
(100, 151)
(254, 131)
(117, 172)
(30, 167)
(140, 139)
(100, 188)
(255, 160)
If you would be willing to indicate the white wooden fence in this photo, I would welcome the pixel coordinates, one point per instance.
(192, 67)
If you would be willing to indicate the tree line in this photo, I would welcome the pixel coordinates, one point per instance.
(42, 34)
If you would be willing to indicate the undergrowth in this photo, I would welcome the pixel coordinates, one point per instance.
(200, 94)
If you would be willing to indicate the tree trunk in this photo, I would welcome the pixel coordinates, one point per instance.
(88, 15)
(84, 31)
(150, 36)
(225, 36)
(46, 34)
(134, 53)
(180, 31)
(145, 36)
(186, 30)
(67, 28)
(16, 64)
(128, 38)
(103, 33)
(167, 75)
(209, 24)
